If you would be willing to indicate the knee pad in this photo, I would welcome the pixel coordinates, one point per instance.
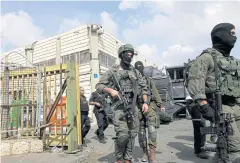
(152, 132)
(122, 140)
(142, 138)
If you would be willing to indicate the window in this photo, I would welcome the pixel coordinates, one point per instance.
(103, 58)
(171, 74)
(65, 58)
(51, 62)
(84, 57)
(72, 57)
(42, 63)
(80, 57)
(111, 61)
(179, 73)
(106, 59)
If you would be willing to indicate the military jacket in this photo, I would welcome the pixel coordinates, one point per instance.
(202, 77)
(155, 97)
(84, 104)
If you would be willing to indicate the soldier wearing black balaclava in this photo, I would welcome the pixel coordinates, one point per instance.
(149, 120)
(201, 84)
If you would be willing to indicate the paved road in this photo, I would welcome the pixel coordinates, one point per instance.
(175, 145)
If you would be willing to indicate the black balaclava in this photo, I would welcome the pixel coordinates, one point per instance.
(139, 66)
(222, 39)
(126, 60)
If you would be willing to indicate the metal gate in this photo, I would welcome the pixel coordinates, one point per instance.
(41, 102)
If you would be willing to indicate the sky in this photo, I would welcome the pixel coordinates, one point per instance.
(167, 33)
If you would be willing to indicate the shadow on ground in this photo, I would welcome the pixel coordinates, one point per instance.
(186, 153)
(137, 156)
(184, 137)
(107, 158)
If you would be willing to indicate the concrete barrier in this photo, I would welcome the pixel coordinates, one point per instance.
(21, 146)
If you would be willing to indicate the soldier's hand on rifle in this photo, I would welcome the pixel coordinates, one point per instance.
(208, 112)
(145, 108)
(98, 104)
(162, 109)
(114, 93)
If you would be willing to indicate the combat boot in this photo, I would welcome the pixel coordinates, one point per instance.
(153, 154)
(102, 140)
(203, 155)
(144, 158)
(84, 144)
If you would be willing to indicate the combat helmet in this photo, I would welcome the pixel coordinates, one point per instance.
(124, 48)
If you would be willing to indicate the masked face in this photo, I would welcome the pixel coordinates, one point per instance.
(127, 57)
(139, 66)
(224, 38)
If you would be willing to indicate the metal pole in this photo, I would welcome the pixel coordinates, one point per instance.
(61, 104)
(44, 106)
(5, 103)
(39, 106)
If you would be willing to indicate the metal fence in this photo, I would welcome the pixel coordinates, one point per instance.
(34, 103)
(18, 100)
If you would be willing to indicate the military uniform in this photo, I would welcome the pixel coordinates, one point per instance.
(202, 84)
(150, 118)
(85, 121)
(100, 115)
(155, 103)
(125, 132)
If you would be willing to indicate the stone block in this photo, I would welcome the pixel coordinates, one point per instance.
(20, 147)
(36, 146)
(5, 148)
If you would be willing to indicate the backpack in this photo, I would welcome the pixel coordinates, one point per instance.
(190, 63)
(186, 71)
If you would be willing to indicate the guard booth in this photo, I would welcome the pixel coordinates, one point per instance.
(41, 102)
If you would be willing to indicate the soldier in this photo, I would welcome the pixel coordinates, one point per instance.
(155, 103)
(85, 121)
(202, 84)
(133, 85)
(98, 102)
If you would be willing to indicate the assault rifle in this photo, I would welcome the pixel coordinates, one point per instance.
(128, 113)
(146, 118)
(223, 125)
(101, 99)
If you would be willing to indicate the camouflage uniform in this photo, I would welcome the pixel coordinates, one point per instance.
(151, 117)
(155, 103)
(125, 132)
(202, 80)
(203, 70)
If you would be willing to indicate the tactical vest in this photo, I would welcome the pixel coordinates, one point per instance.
(84, 104)
(187, 67)
(228, 75)
(124, 78)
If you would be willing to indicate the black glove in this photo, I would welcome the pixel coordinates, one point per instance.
(208, 112)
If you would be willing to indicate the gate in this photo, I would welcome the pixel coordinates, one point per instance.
(41, 102)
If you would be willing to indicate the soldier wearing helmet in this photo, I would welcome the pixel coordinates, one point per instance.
(133, 86)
